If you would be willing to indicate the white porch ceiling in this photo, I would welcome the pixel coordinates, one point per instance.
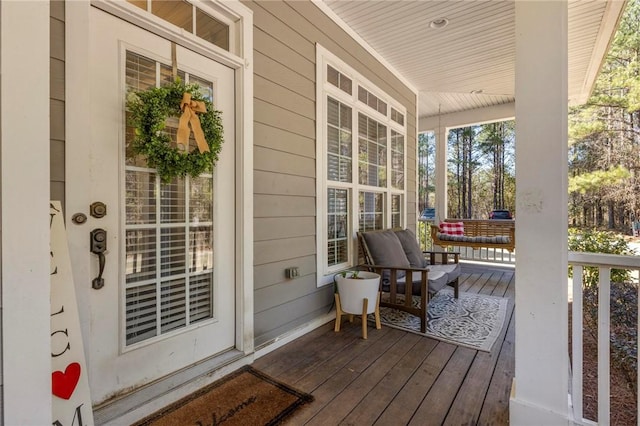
(476, 50)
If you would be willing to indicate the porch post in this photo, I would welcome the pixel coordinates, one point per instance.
(24, 212)
(541, 371)
(441, 173)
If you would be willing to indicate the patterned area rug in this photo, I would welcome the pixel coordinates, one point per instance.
(473, 320)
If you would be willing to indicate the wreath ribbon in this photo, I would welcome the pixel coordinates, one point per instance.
(189, 117)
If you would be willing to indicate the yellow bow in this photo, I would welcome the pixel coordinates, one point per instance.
(189, 109)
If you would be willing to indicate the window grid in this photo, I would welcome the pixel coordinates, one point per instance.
(397, 116)
(337, 226)
(339, 141)
(370, 211)
(168, 232)
(372, 152)
(396, 210)
(339, 80)
(397, 160)
(377, 182)
(190, 18)
(372, 101)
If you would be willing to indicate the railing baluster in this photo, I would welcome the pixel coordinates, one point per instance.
(576, 342)
(605, 263)
(604, 319)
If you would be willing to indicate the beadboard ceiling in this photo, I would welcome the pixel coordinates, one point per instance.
(476, 50)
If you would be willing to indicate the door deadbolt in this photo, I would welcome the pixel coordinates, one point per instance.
(98, 209)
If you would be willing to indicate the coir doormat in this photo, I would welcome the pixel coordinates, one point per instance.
(244, 397)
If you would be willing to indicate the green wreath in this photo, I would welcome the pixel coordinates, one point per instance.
(149, 110)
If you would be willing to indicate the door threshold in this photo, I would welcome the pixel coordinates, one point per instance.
(150, 398)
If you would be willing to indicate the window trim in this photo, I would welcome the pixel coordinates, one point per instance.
(323, 91)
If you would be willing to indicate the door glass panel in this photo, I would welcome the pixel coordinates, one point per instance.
(201, 258)
(140, 197)
(180, 13)
(212, 30)
(172, 201)
(140, 72)
(177, 12)
(201, 198)
(206, 88)
(168, 229)
(167, 77)
(172, 258)
(141, 255)
(173, 302)
(141, 313)
(200, 304)
(142, 4)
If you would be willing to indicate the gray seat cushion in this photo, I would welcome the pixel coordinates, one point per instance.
(451, 269)
(437, 281)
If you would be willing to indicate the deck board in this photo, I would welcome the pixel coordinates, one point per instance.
(396, 377)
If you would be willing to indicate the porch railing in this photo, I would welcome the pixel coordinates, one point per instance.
(605, 263)
(467, 253)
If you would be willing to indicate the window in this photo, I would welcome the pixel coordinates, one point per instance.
(168, 230)
(361, 162)
(190, 18)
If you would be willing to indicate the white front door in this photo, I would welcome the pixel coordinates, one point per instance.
(169, 293)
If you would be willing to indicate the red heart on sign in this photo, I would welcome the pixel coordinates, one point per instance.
(63, 384)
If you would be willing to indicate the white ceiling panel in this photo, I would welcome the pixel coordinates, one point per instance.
(475, 51)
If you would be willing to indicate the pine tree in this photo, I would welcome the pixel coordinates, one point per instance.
(604, 135)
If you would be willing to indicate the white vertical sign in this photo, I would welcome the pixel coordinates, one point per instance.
(69, 382)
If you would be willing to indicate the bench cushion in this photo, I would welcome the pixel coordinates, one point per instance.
(497, 239)
(411, 248)
(452, 228)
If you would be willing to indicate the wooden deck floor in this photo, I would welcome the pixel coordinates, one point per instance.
(398, 378)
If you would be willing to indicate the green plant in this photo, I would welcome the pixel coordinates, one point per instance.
(594, 241)
(623, 302)
(353, 274)
(345, 274)
(148, 112)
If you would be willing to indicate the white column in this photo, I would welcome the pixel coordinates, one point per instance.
(541, 373)
(24, 189)
(441, 173)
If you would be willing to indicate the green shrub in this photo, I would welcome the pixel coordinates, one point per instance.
(594, 241)
(623, 302)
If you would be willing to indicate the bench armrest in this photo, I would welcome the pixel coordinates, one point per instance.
(444, 256)
(393, 281)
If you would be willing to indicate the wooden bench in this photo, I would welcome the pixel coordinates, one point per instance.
(478, 233)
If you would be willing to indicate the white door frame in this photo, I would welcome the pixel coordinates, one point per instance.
(77, 123)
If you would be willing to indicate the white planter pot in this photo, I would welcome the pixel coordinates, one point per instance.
(353, 292)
